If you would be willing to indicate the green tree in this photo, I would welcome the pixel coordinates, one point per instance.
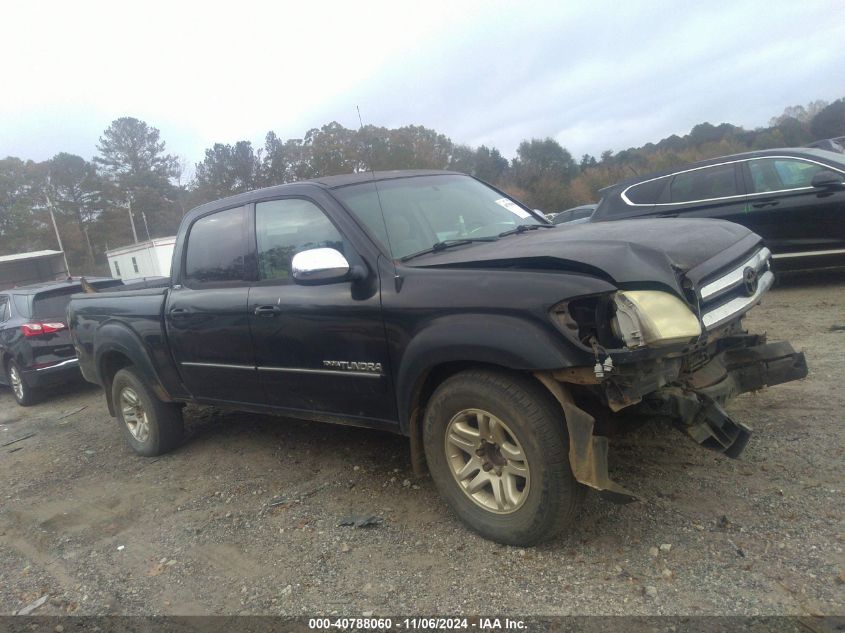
(418, 147)
(375, 147)
(75, 191)
(830, 122)
(132, 159)
(131, 148)
(228, 169)
(544, 169)
(587, 161)
(462, 159)
(334, 150)
(799, 113)
(285, 161)
(490, 165)
(20, 186)
(794, 132)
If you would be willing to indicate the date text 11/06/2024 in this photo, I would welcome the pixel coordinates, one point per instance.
(418, 624)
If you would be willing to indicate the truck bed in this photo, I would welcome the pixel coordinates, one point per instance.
(127, 321)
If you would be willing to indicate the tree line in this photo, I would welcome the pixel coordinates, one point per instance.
(133, 189)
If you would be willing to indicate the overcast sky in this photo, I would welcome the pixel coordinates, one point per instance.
(594, 75)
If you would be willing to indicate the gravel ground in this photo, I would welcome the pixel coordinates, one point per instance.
(99, 530)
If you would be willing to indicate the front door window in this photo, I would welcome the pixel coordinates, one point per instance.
(779, 174)
(286, 227)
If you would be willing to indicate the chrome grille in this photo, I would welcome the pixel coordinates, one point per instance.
(737, 290)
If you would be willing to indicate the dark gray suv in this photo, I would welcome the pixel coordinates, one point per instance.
(35, 347)
(793, 198)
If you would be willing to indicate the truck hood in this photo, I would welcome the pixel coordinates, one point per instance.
(625, 252)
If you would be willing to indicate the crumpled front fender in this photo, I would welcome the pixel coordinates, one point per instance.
(587, 452)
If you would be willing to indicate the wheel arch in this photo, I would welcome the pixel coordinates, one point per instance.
(6, 359)
(461, 341)
(118, 348)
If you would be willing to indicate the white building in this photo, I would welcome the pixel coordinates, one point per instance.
(144, 259)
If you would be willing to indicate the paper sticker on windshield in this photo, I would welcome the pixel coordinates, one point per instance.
(514, 208)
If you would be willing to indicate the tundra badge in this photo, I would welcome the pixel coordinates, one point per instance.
(344, 365)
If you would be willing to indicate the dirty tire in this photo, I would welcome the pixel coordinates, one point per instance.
(151, 427)
(24, 394)
(535, 421)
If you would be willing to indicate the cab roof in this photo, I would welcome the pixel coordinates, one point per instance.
(324, 182)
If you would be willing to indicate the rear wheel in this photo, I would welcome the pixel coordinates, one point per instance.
(151, 427)
(24, 394)
(498, 453)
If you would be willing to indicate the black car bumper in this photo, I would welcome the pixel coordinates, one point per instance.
(63, 371)
(695, 404)
(737, 371)
(667, 389)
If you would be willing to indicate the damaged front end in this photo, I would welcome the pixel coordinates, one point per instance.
(695, 404)
(658, 356)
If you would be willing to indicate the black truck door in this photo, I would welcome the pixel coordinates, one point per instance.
(206, 317)
(320, 349)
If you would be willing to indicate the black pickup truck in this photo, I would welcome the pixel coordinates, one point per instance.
(430, 304)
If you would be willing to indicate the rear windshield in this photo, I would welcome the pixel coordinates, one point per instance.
(53, 303)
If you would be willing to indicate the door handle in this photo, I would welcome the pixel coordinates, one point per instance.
(765, 203)
(179, 313)
(268, 311)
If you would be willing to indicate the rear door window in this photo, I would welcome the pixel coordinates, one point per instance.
(217, 248)
(778, 174)
(708, 183)
(4, 309)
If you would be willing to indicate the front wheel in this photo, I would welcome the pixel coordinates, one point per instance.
(151, 427)
(497, 450)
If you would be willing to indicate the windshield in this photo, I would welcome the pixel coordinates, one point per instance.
(420, 212)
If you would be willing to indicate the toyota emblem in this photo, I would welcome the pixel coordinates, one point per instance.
(749, 280)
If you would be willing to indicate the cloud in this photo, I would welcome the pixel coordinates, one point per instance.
(594, 76)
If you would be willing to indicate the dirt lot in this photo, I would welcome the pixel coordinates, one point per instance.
(100, 530)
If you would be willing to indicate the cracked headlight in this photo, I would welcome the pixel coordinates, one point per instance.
(651, 317)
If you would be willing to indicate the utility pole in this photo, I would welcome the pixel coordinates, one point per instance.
(88, 241)
(132, 220)
(56, 227)
(146, 226)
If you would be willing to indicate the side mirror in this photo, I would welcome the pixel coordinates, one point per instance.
(825, 179)
(319, 266)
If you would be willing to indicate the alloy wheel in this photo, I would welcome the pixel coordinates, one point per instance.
(17, 381)
(487, 461)
(134, 414)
